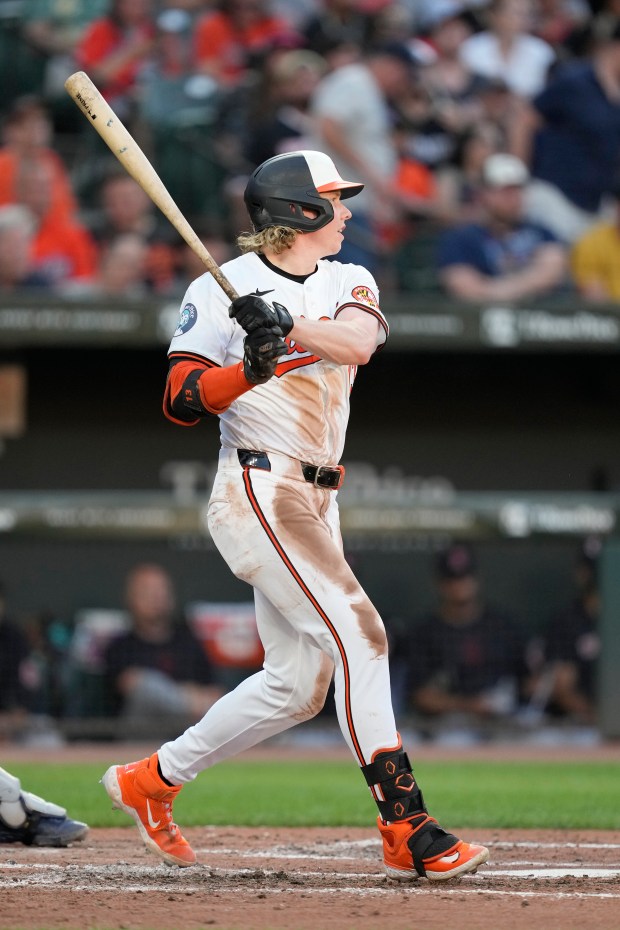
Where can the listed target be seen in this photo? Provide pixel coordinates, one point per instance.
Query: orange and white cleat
(419, 847)
(138, 790)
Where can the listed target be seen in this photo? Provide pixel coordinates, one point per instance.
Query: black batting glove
(263, 347)
(251, 311)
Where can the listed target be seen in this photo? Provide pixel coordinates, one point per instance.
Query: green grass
(577, 795)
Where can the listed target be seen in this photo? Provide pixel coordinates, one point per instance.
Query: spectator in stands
(121, 272)
(339, 31)
(499, 106)
(570, 134)
(190, 266)
(465, 663)
(126, 210)
(507, 50)
(231, 38)
(158, 673)
(460, 183)
(573, 642)
(279, 119)
(392, 21)
(24, 693)
(115, 48)
(28, 138)
(595, 259)
(452, 85)
(62, 249)
(353, 125)
(17, 225)
(556, 20)
(173, 57)
(54, 28)
(503, 257)
(443, 100)
(600, 22)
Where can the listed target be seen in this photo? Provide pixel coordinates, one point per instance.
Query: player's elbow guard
(193, 393)
(182, 400)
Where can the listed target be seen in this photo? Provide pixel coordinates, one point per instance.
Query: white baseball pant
(281, 534)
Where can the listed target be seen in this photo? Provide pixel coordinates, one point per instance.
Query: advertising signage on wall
(158, 516)
(420, 324)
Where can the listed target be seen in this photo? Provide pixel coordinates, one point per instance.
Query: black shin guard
(391, 771)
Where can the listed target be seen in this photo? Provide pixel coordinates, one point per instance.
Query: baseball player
(277, 367)
(27, 818)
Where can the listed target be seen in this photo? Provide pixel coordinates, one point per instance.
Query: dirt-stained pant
(281, 534)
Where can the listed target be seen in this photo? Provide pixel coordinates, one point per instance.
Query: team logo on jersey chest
(189, 315)
(364, 295)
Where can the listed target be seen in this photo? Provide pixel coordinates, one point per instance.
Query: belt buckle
(321, 469)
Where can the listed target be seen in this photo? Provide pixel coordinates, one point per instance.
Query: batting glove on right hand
(251, 311)
(262, 349)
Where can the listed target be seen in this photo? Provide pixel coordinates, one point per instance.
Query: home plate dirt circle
(309, 879)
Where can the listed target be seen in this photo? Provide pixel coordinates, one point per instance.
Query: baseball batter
(277, 367)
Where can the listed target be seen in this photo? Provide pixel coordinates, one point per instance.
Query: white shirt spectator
(351, 96)
(524, 69)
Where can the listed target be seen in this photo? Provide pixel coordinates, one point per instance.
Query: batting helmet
(282, 187)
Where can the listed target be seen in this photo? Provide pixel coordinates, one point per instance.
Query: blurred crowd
(467, 671)
(487, 134)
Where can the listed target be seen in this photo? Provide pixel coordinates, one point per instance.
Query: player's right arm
(350, 340)
(351, 337)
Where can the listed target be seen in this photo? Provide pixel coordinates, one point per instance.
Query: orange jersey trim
(172, 356)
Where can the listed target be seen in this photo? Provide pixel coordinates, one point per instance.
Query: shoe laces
(171, 826)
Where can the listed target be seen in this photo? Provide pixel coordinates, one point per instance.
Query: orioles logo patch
(364, 295)
(189, 315)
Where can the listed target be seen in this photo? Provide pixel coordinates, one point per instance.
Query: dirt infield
(306, 879)
(300, 879)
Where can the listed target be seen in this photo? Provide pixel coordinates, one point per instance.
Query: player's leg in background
(27, 818)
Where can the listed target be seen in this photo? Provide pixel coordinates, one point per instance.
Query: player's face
(328, 240)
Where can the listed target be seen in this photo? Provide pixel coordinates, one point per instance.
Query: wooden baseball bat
(118, 138)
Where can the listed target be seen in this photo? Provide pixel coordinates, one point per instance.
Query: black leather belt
(321, 476)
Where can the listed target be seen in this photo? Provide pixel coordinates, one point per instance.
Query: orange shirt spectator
(27, 136)
(62, 249)
(126, 209)
(226, 40)
(116, 47)
(63, 200)
(418, 191)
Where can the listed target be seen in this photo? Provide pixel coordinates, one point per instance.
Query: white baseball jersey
(308, 394)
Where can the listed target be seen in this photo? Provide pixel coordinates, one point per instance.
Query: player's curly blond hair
(273, 239)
